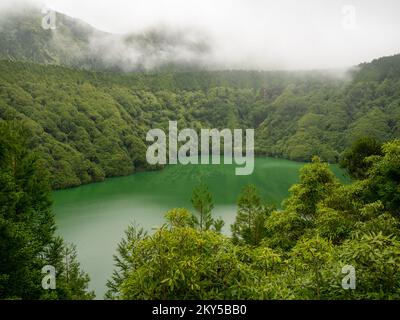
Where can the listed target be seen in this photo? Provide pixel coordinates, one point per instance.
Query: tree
(354, 159)
(26, 222)
(376, 259)
(316, 182)
(301, 208)
(203, 203)
(133, 236)
(249, 226)
(27, 241)
(310, 259)
(299, 253)
(71, 281)
(180, 262)
(284, 229)
(383, 179)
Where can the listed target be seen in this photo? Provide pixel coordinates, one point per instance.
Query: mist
(233, 34)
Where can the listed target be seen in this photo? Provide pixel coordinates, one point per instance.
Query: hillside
(76, 44)
(23, 38)
(92, 125)
(89, 119)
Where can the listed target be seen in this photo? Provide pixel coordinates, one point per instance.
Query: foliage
(27, 240)
(252, 213)
(383, 179)
(376, 259)
(91, 125)
(203, 203)
(184, 263)
(133, 235)
(323, 227)
(354, 160)
(85, 126)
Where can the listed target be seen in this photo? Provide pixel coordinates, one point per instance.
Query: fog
(248, 34)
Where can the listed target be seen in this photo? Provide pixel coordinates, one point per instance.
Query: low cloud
(237, 34)
(152, 48)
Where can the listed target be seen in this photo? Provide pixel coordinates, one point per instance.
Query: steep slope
(23, 38)
(77, 44)
(386, 68)
(92, 125)
(329, 119)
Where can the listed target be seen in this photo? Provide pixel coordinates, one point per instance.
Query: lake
(95, 216)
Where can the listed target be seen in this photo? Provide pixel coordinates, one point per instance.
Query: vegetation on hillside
(92, 125)
(71, 42)
(27, 239)
(63, 127)
(294, 253)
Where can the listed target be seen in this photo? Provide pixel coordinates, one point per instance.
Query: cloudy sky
(260, 34)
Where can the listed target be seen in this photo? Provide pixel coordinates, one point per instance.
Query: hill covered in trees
(71, 42)
(304, 251)
(28, 241)
(75, 106)
(90, 125)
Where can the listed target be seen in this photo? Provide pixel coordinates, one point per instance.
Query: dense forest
(73, 112)
(90, 125)
(295, 253)
(27, 228)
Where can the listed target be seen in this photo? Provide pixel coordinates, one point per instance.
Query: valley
(95, 216)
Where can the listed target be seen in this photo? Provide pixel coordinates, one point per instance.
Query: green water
(95, 216)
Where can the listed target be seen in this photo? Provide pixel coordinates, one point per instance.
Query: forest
(90, 125)
(27, 228)
(63, 127)
(297, 252)
(77, 101)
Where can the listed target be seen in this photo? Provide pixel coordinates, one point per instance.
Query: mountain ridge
(89, 125)
(89, 121)
(77, 44)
